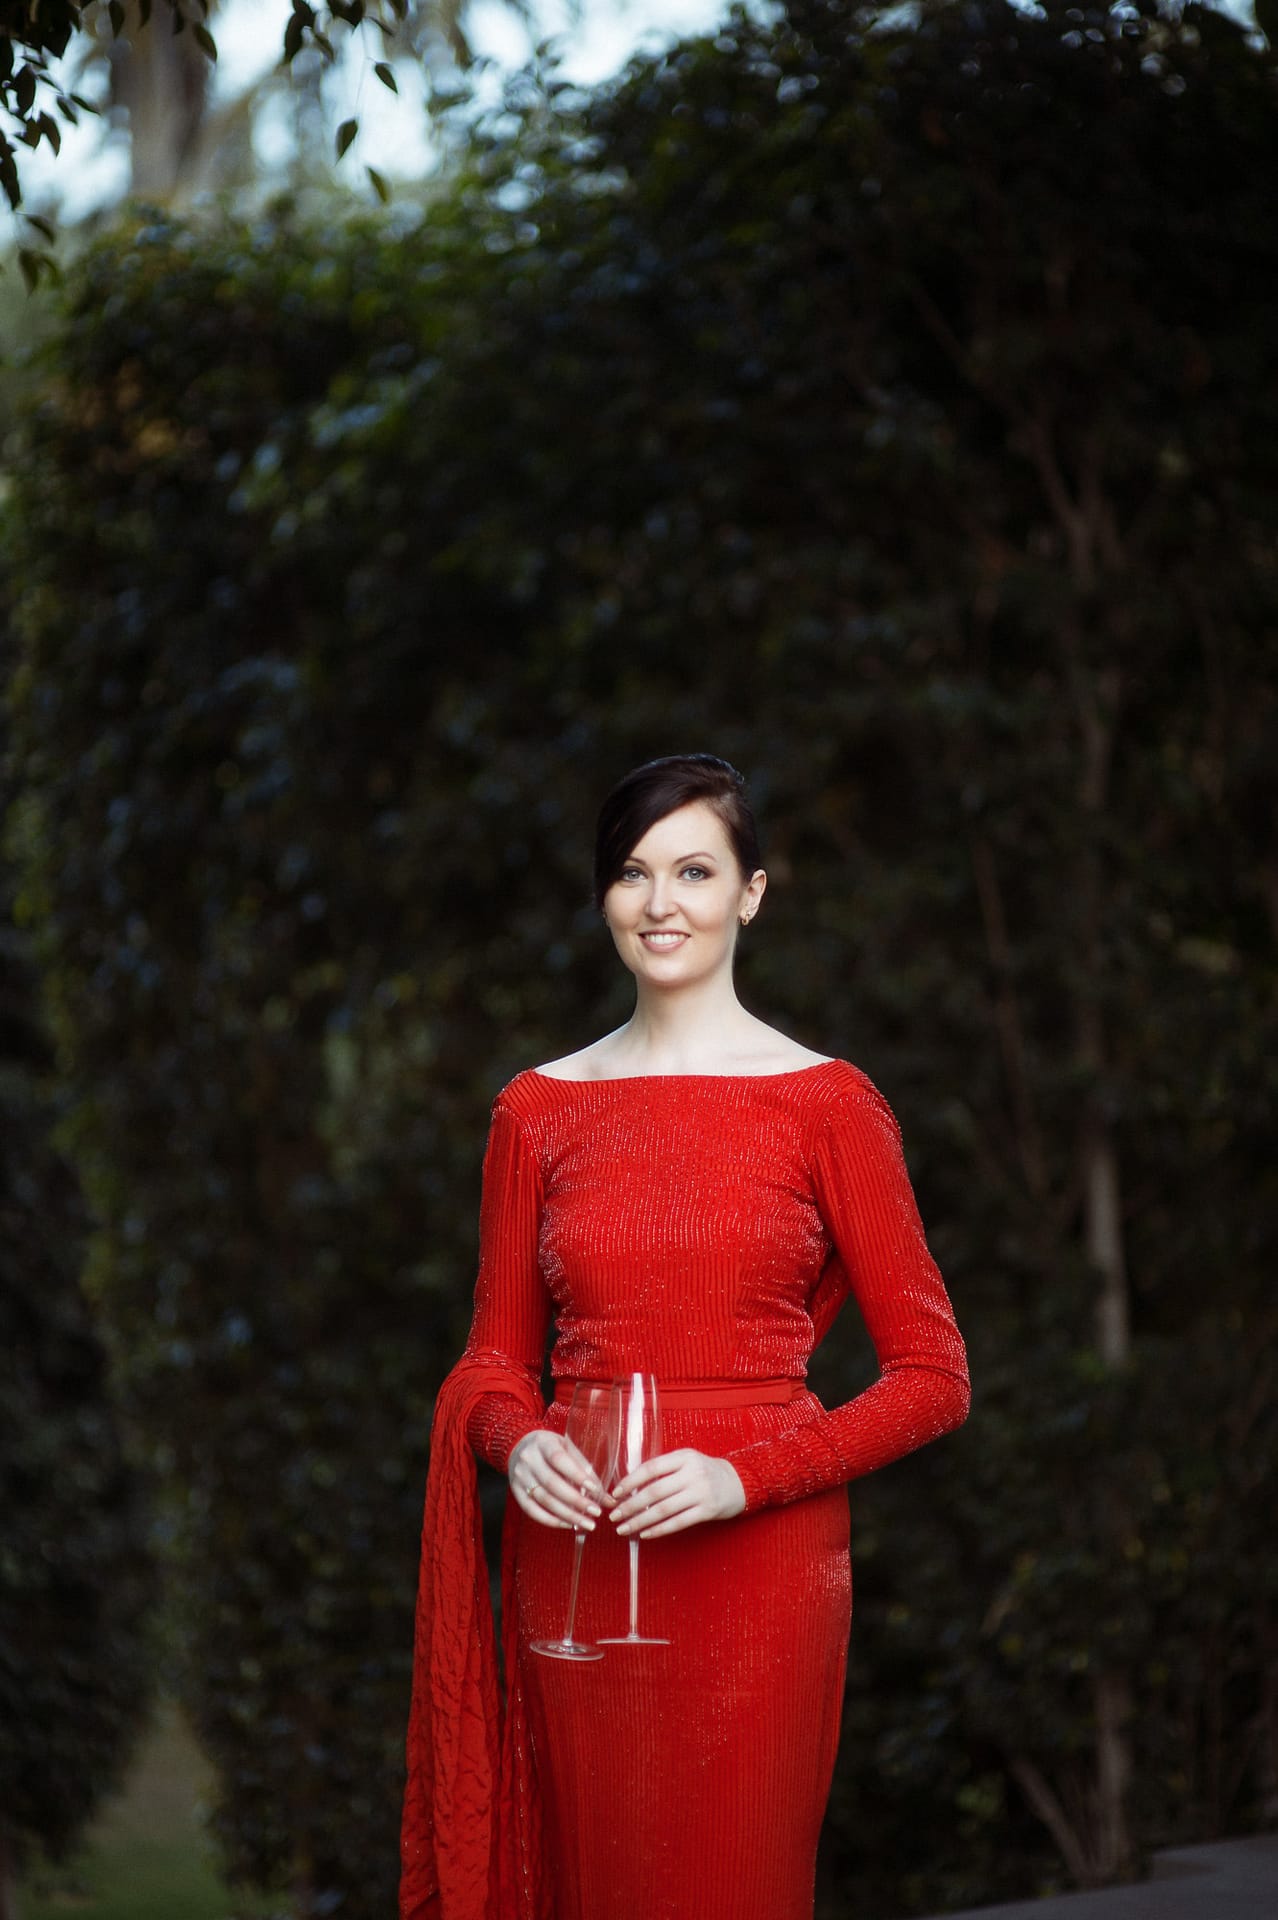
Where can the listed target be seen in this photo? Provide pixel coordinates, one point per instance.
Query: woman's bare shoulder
(766, 1049)
(586, 1064)
(783, 1055)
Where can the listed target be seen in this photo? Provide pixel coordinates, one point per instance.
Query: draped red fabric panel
(466, 1801)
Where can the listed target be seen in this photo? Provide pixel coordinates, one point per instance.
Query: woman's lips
(663, 942)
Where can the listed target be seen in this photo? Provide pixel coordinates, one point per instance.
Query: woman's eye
(697, 873)
(630, 873)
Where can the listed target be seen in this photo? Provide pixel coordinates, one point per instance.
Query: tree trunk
(1008, 1023)
(1102, 1213)
(161, 79)
(1112, 1703)
(1095, 697)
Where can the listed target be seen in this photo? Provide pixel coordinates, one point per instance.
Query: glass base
(566, 1649)
(632, 1640)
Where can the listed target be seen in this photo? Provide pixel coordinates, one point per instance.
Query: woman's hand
(553, 1483)
(674, 1491)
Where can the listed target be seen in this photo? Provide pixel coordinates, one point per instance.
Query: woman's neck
(699, 1026)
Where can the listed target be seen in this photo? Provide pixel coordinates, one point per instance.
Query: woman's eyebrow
(682, 859)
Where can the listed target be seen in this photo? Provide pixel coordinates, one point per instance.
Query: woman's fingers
(667, 1516)
(577, 1472)
(675, 1491)
(647, 1483)
(552, 1483)
(677, 1523)
(682, 1503)
(576, 1493)
(641, 1479)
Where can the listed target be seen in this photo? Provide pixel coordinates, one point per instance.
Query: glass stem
(580, 1541)
(634, 1588)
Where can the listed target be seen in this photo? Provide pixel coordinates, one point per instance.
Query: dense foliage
(42, 42)
(76, 1566)
(892, 409)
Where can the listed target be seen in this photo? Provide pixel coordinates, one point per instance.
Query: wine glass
(640, 1411)
(594, 1431)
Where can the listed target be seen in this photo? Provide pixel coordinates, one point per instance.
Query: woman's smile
(681, 885)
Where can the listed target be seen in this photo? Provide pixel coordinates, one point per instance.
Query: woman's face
(675, 910)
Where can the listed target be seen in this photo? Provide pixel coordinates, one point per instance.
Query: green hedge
(77, 1562)
(892, 411)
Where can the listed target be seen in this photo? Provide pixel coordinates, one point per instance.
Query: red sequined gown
(704, 1229)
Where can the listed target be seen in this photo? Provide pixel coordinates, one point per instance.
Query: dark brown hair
(648, 793)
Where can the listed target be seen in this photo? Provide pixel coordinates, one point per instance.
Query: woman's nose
(659, 901)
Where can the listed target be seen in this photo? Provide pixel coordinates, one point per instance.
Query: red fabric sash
(470, 1838)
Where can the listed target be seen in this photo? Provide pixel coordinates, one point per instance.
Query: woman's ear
(755, 888)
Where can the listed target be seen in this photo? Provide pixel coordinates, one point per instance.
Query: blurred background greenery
(887, 401)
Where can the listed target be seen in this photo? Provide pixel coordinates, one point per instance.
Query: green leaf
(115, 12)
(204, 41)
(380, 186)
(40, 224)
(31, 264)
(386, 75)
(345, 134)
(9, 174)
(24, 89)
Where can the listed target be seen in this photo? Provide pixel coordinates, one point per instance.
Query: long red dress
(705, 1228)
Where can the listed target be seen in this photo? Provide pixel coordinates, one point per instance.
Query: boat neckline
(620, 1079)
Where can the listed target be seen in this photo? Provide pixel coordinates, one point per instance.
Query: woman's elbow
(959, 1400)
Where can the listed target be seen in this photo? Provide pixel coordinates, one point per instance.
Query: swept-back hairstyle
(648, 793)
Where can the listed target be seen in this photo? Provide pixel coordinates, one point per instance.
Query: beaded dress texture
(705, 1229)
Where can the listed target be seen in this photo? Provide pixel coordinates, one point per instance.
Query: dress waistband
(707, 1393)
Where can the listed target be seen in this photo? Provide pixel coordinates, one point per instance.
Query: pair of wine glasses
(614, 1428)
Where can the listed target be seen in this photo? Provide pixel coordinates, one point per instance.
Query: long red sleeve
(864, 1195)
(512, 1306)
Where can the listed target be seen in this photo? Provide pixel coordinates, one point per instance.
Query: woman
(692, 1196)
